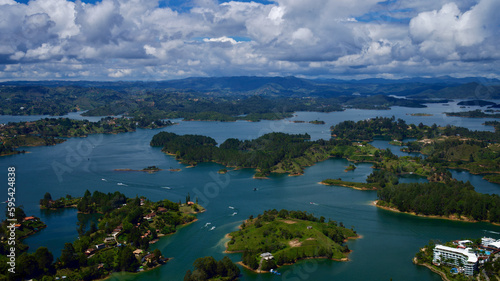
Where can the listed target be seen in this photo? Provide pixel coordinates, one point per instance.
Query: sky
(149, 40)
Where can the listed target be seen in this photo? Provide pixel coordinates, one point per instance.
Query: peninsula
(51, 131)
(121, 239)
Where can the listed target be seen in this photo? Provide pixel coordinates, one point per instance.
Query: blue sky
(169, 39)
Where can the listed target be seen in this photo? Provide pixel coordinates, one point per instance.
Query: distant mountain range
(438, 87)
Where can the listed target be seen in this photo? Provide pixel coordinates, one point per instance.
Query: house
(90, 251)
(267, 256)
(309, 227)
(455, 256)
(109, 240)
(137, 252)
(148, 258)
(100, 246)
(162, 210)
(150, 216)
(17, 226)
(190, 203)
(30, 218)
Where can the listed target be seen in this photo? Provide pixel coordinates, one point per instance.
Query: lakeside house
(465, 258)
(267, 256)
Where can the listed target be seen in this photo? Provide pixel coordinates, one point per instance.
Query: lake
(390, 240)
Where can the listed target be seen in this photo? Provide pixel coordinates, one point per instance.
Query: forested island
(477, 103)
(282, 237)
(120, 240)
(51, 131)
(478, 113)
(270, 153)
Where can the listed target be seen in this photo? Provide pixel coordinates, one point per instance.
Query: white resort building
(457, 257)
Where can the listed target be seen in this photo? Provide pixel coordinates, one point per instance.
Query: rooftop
(471, 257)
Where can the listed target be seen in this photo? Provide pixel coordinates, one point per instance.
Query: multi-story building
(457, 257)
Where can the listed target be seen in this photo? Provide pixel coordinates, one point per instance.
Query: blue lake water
(389, 241)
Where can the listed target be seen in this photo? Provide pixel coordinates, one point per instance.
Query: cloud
(142, 40)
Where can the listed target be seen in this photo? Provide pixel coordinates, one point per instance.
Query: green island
(473, 114)
(51, 131)
(148, 169)
(222, 171)
(207, 268)
(270, 153)
(317, 122)
(119, 241)
(351, 167)
(277, 238)
(461, 260)
(420, 114)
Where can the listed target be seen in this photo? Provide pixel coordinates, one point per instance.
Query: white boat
(121, 184)
(231, 207)
(213, 227)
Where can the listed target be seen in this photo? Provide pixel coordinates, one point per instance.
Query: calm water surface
(389, 241)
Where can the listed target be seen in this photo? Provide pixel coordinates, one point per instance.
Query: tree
(68, 258)
(44, 258)
(127, 260)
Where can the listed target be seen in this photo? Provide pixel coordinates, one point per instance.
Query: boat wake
(121, 184)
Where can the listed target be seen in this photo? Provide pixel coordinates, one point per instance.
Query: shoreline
(375, 203)
(350, 186)
(440, 273)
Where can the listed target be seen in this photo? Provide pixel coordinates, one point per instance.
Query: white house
(455, 256)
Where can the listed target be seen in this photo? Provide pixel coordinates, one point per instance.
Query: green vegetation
(473, 114)
(222, 171)
(446, 147)
(453, 199)
(118, 242)
(421, 114)
(289, 236)
(270, 153)
(388, 128)
(274, 152)
(49, 131)
(317, 122)
(351, 167)
(24, 226)
(355, 185)
(476, 103)
(207, 268)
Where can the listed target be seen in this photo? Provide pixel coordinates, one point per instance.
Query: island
(473, 114)
(420, 114)
(149, 169)
(466, 259)
(222, 171)
(276, 238)
(477, 103)
(351, 167)
(119, 241)
(317, 122)
(270, 153)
